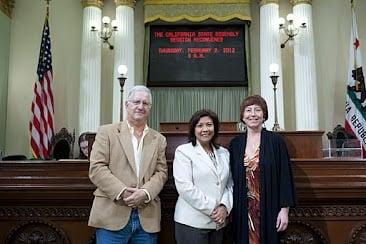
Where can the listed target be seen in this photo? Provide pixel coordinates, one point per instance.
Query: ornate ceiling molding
(6, 6)
(295, 2)
(264, 2)
(182, 2)
(95, 3)
(129, 3)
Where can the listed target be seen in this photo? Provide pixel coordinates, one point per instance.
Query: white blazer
(201, 186)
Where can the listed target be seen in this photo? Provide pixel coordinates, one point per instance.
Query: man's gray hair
(139, 88)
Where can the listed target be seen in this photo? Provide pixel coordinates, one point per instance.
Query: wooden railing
(52, 199)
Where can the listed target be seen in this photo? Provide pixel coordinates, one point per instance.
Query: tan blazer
(112, 168)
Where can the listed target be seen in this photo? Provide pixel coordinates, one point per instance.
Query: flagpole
(47, 8)
(353, 13)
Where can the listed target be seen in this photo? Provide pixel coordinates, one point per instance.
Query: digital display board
(197, 55)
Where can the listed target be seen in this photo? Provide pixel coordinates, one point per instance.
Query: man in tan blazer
(128, 167)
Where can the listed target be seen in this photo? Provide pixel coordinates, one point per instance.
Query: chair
(340, 134)
(346, 144)
(63, 144)
(15, 157)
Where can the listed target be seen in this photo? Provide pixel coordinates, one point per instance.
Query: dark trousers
(185, 234)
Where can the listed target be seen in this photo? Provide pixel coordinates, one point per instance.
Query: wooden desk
(40, 199)
(52, 199)
(45, 200)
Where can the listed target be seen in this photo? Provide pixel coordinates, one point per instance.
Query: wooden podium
(301, 144)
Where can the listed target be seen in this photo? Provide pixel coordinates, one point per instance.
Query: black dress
(276, 186)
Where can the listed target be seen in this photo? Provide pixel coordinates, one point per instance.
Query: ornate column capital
(185, 2)
(6, 6)
(129, 3)
(264, 2)
(295, 2)
(95, 3)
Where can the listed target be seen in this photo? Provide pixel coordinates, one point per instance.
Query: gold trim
(6, 6)
(129, 3)
(295, 2)
(196, 18)
(264, 2)
(186, 2)
(95, 3)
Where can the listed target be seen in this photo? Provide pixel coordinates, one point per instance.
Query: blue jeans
(132, 233)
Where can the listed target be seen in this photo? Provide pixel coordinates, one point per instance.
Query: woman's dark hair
(194, 121)
(82, 138)
(254, 100)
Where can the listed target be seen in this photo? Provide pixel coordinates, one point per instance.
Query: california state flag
(355, 109)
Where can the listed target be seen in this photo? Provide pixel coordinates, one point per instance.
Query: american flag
(41, 124)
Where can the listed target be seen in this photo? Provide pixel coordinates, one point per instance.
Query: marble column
(306, 98)
(270, 53)
(90, 68)
(124, 44)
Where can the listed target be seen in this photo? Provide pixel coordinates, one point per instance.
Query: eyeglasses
(138, 102)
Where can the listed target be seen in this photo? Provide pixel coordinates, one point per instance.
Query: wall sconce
(273, 69)
(107, 30)
(292, 29)
(122, 71)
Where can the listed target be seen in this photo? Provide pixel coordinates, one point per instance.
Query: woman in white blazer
(202, 177)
